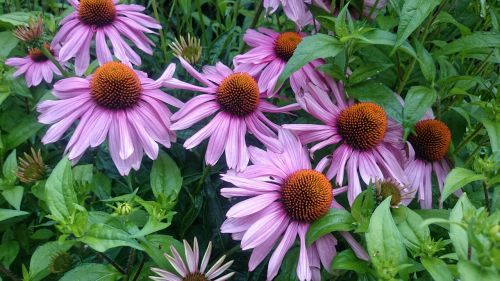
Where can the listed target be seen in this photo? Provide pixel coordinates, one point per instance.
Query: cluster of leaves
(85, 222)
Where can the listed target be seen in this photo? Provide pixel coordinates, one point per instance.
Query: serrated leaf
(413, 13)
(60, 195)
(166, 179)
(310, 48)
(334, 220)
(427, 65)
(383, 239)
(92, 272)
(102, 237)
(417, 102)
(456, 179)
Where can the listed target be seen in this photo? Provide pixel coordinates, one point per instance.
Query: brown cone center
(238, 94)
(286, 43)
(96, 12)
(431, 140)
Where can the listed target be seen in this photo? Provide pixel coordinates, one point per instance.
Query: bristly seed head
(97, 12)
(31, 167)
(189, 49)
(195, 276)
(31, 33)
(306, 195)
(238, 94)
(363, 125)
(115, 86)
(431, 140)
(286, 43)
(386, 188)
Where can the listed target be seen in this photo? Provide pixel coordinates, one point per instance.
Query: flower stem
(206, 171)
(486, 197)
(163, 42)
(468, 139)
(49, 55)
(256, 17)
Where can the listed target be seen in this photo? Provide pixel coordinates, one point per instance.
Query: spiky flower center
(31, 167)
(115, 86)
(37, 54)
(306, 195)
(389, 188)
(60, 262)
(238, 94)
(431, 140)
(286, 43)
(97, 12)
(363, 125)
(195, 276)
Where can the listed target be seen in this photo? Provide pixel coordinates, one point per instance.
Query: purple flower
(284, 195)
(117, 103)
(238, 105)
(106, 20)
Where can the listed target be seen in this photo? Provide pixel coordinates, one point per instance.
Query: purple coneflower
(285, 195)
(104, 19)
(269, 54)
(369, 143)
(116, 102)
(428, 148)
(35, 66)
(191, 270)
(295, 10)
(238, 104)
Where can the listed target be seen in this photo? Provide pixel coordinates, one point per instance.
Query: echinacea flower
(369, 143)
(401, 194)
(35, 66)
(31, 33)
(31, 167)
(428, 148)
(189, 49)
(106, 20)
(115, 102)
(192, 270)
(238, 105)
(284, 196)
(269, 54)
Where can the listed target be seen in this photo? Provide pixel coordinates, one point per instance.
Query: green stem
(163, 42)
(486, 197)
(199, 185)
(49, 55)
(372, 8)
(467, 139)
(113, 263)
(202, 24)
(256, 17)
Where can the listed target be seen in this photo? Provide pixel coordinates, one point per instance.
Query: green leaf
(417, 101)
(362, 209)
(347, 260)
(458, 234)
(92, 272)
(17, 18)
(437, 268)
(288, 270)
(413, 13)
(166, 179)
(457, 178)
(8, 43)
(8, 252)
(380, 94)
(41, 258)
(472, 272)
(411, 228)
(471, 42)
(334, 220)
(6, 214)
(59, 191)
(493, 129)
(427, 65)
(311, 48)
(9, 168)
(25, 129)
(386, 38)
(384, 241)
(14, 196)
(102, 237)
(365, 72)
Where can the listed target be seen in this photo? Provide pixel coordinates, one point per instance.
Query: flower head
(117, 103)
(267, 59)
(369, 143)
(428, 147)
(193, 271)
(189, 49)
(283, 196)
(104, 19)
(31, 167)
(35, 66)
(296, 10)
(31, 33)
(238, 105)
(400, 193)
